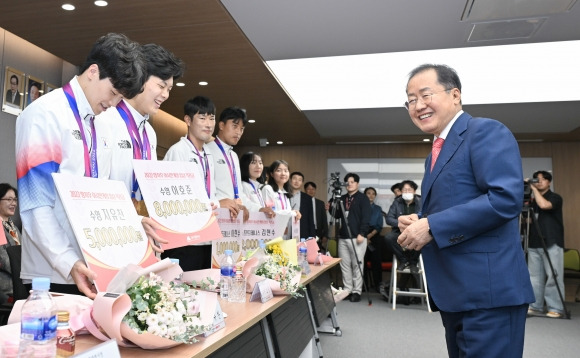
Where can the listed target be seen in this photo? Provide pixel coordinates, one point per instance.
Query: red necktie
(436, 150)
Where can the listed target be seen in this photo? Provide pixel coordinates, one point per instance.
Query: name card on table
(104, 221)
(176, 199)
(262, 291)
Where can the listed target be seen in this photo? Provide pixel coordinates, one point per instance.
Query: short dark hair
(545, 174)
(234, 113)
(271, 169)
(352, 175)
(411, 183)
(446, 76)
(296, 173)
(16, 78)
(310, 183)
(120, 60)
(199, 104)
(395, 187)
(35, 84)
(245, 160)
(370, 188)
(5, 187)
(162, 63)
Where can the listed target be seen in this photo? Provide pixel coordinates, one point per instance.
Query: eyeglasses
(11, 200)
(426, 98)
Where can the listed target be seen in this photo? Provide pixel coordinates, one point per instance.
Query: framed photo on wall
(48, 87)
(13, 94)
(34, 89)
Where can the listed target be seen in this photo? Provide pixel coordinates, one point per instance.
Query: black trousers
(410, 256)
(191, 257)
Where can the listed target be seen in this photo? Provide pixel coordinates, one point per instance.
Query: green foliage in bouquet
(164, 309)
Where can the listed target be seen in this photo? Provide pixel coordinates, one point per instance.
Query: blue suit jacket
(473, 198)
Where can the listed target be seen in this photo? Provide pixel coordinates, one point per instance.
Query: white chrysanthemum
(152, 320)
(163, 330)
(142, 316)
(154, 330)
(164, 317)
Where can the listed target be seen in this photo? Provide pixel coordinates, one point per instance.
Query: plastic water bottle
(180, 276)
(227, 271)
(238, 289)
(38, 322)
(303, 257)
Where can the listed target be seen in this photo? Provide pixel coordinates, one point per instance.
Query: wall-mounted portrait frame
(13, 94)
(34, 89)
(48, 87)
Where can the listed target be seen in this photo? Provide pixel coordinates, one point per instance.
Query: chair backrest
(572, 259)
(15, 255)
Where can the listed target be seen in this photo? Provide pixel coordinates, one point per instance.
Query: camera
(528, 191)
(335, 184)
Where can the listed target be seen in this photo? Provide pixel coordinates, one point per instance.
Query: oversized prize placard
(240, 236)
(176, 199)
(105, 224)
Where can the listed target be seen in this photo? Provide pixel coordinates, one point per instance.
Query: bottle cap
(63, 316)
(228, 252)
(40, 283)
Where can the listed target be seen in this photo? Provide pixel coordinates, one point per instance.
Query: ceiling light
(313, 84)
(101, 3)
(251, 121)
(203, 83)
(279, 142)
(68, 7)
(180, 84)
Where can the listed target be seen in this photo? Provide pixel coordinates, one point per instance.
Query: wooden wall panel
(311, 161)
(566, 175)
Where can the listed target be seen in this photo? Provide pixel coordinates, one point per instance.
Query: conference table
(281, 327)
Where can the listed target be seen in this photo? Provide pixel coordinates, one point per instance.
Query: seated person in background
(396, 189)
(8, 203)
(375, 243)
(407, 203)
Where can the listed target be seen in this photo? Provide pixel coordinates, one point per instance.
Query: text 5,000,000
(110, 236)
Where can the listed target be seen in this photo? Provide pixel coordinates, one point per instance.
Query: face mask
(408, 196)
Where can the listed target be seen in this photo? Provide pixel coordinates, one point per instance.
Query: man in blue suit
(468, 228)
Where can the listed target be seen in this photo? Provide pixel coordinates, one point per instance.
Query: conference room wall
(312, 162)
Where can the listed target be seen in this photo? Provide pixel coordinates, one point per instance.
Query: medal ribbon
(231, 167)
(91, 165)
(258, 194)
(205, 167)
(141, 149)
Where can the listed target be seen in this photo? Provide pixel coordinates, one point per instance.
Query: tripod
(531, 217)
(335, 206)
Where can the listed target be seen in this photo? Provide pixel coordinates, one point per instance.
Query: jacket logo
(221, 161)
(124, 144)
(77, 134)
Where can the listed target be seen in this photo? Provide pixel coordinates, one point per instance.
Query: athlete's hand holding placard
(176, 199)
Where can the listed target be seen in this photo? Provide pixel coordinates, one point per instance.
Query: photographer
(357, 212)
(547, 207)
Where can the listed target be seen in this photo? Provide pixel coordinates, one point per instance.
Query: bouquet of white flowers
(276, 266)
(164, 309)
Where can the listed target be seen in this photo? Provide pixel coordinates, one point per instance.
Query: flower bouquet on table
(277, 265)
(153, 312)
